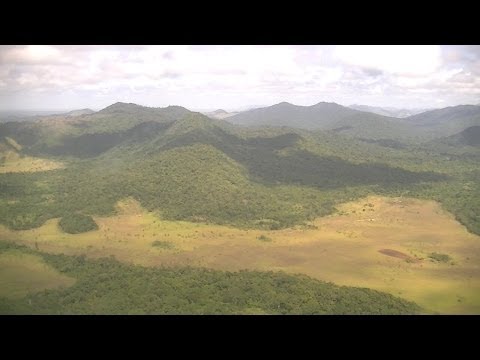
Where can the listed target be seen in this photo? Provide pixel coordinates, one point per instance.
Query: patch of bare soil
(398, 254)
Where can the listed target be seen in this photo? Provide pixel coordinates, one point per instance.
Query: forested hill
(447, 121)
(188, 166)
(389, 111)
(79, 112)
(362, 124)
(145, 113)
(469, 136)
(325, 116)
(100, 130)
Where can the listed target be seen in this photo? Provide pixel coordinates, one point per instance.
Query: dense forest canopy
(187, 166)
(106, 286)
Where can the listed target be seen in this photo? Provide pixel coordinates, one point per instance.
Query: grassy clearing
(13, 143)
(21, 274)
(15, 163)
(342, 248)
(107, 286)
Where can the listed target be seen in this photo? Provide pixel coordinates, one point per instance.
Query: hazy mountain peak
(463, 110)
(176, 107)
(120, 106)
(219, 114)
(323, 116)
(389, 111)
(284, 103)
(119, 103)
(327, 104)
(80, 112)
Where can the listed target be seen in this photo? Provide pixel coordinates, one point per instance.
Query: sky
(234, 77)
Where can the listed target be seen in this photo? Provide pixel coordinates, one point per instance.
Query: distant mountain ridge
(447, 121)
(444, 115)
(389, 111)
(79, 112)
(219, 114)
(325, 116)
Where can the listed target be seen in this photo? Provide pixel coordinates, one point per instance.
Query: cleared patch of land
(21, 274)
(13, 162)
(13, 143)
(343, 248)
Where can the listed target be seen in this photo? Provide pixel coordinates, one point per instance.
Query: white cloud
(397, 59)
(235, 76)
(32, 54)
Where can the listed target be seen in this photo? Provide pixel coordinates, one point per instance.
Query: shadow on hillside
(261, 158)
(91, 145)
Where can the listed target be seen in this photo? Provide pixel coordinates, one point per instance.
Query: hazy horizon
(42, 77)
(242, 108)
(238, 109)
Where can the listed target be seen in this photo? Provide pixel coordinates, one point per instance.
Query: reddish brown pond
(397, 254)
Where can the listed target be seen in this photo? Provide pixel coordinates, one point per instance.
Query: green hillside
(468, 137)
(196, 168)
(363, 124)
(64, 135)
(326, 116)
(445, 122)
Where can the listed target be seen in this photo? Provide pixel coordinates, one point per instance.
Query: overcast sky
(231, 77)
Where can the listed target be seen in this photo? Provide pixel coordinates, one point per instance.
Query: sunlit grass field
(21, 274)
(343, 248)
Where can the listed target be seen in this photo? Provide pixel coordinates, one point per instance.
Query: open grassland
(12, 162)
(377, 242)
(21, 274)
